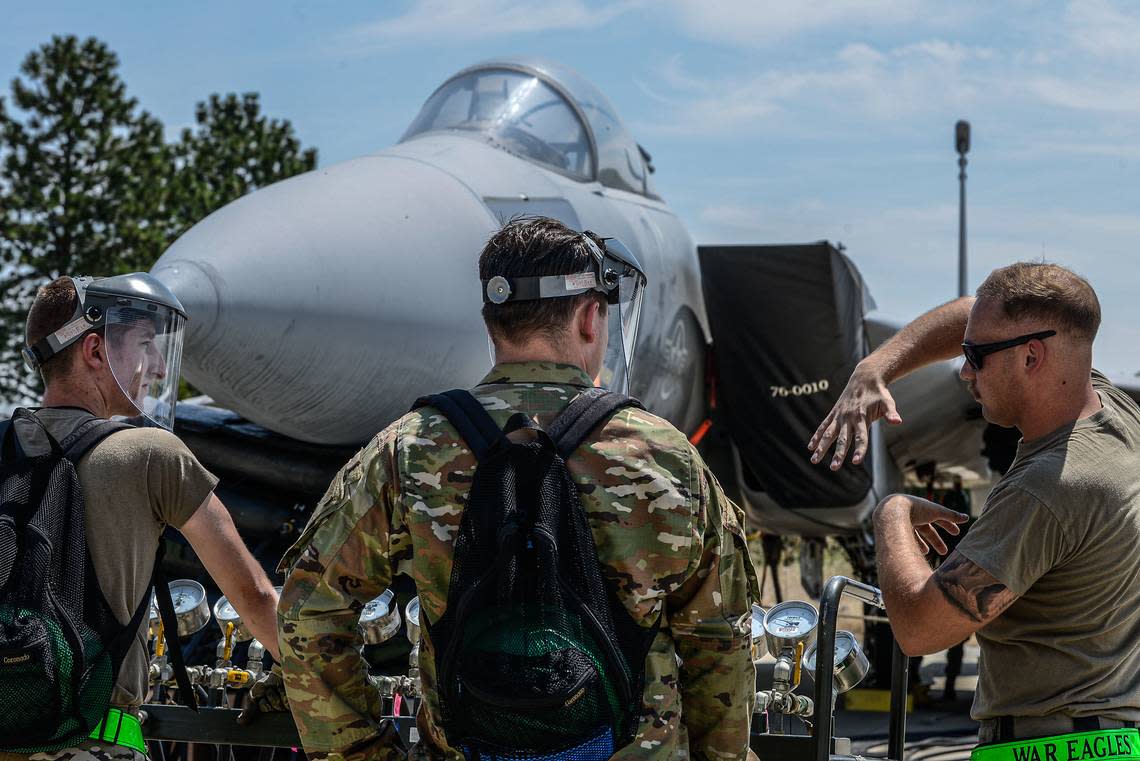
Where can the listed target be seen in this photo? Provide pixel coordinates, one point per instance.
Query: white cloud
(1125, 148)
(858, 82)
(438, 20)
(1083, 95)
(752, 22)
(944, 52)
(1102, 29)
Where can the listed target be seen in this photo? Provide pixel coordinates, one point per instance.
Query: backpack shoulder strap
(88, 434)
(11, 445)
(583, 415)
(169, 619)
(469, 417)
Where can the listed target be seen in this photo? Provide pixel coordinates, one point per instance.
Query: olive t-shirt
(1062, 530)
(135, 482)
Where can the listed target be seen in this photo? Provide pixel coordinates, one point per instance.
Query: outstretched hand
(864, 400)
(925, 518)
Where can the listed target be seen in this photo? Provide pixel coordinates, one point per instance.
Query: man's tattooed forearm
(972, 590)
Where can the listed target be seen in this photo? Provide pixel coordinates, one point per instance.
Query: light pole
(962, 145)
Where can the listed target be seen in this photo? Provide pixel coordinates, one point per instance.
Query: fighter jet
(322, 306)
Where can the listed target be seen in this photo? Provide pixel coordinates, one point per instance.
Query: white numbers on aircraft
(804, 389)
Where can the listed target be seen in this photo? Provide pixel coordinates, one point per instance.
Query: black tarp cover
(787, 321)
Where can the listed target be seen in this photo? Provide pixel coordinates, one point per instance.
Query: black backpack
(60, 644)
(535, 656)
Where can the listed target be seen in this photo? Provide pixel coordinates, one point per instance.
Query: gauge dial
(412, 612)
(380, 619)
(190, 606)
(378, 607)
(793, 621)
(758, 614)
(226, 613)
(844, 644)
(187, 595)
(759, 647)
(851, 663)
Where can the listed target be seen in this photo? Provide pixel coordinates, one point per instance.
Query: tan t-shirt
(134, 483)
(1062, 530)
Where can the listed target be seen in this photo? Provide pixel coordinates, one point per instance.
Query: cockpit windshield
(518, 111)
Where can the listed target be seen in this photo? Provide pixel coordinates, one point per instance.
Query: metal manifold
(222, 688)
(802, 638)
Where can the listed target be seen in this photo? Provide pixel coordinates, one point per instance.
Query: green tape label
(1102, 745)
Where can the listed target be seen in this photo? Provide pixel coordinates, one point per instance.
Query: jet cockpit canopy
(542, 112)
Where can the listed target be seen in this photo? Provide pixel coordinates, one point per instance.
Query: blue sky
(767, 122)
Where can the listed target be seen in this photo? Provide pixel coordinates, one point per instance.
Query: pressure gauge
(190, 606)
(412, 613)
(380, 619)
(225, 613)
(788, 624)
(851, 663)
(759, 648)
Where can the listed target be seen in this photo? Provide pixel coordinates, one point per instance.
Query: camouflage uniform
(668, 539)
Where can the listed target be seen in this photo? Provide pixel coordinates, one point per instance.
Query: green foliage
(88, 184)
(232, 151)
(83, 182)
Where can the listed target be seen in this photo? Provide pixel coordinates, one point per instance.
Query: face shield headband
(616, 274)
(85, 318)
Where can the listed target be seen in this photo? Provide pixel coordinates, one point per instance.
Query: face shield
(620, 268)
(616, 274)
(142, 324)
(144, 350)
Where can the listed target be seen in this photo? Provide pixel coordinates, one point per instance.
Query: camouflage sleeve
(710, 619)
(339, 563)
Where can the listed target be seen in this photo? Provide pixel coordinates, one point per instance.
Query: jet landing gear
(790, 634)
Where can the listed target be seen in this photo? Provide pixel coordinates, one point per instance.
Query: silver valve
(254, 658)
(160, 670)
(412, 615)
(784, 703)
(222, 654)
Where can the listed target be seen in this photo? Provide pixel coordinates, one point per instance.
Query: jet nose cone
(322, 306)
(193, 283)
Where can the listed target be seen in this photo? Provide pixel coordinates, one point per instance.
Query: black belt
(1007, 726)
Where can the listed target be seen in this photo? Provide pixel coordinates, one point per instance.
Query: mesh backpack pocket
(534, 674)
(33, 651)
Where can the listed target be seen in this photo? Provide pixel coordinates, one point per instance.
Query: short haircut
(1047, 292)
(53, 307)
(535, 247)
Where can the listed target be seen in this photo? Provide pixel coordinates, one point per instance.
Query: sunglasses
(975, 353)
